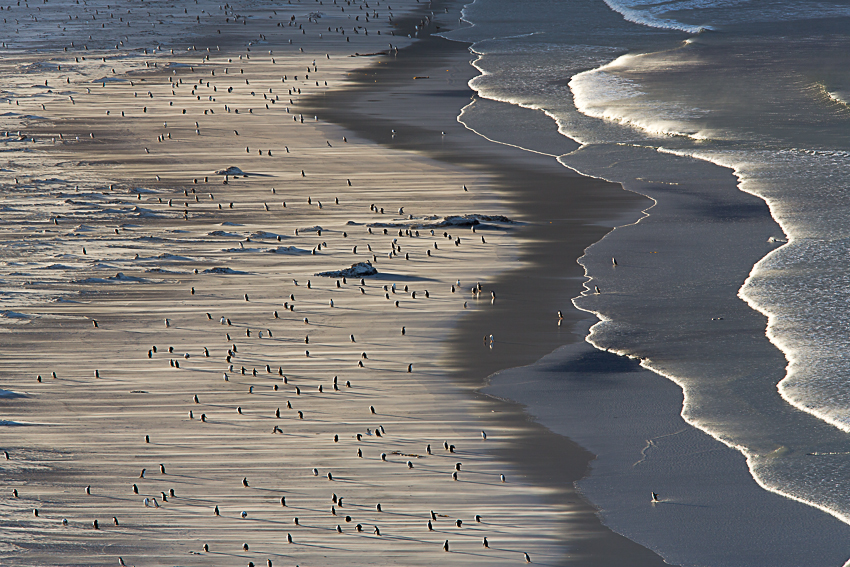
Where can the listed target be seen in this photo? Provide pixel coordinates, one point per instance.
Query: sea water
(664, 98)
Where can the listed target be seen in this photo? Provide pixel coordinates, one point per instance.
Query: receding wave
(651, 18)
(697, 16)
(604, 94)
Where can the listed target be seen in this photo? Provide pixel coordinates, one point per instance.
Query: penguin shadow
(343, 480)
(390, 277)
(392, 514)
(503, 550)
(312, 545)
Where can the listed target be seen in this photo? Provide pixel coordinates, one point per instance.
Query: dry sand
(122, 250)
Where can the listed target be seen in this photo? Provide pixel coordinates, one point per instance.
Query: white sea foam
(696, 16)
(840, 96)
(608, 95)
(652, 15)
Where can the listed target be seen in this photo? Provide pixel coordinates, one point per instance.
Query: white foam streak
(648, 19)
(602, 93)
(841, 97)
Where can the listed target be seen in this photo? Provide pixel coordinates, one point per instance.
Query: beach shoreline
(562, 214)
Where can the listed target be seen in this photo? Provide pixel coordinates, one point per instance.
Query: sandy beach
(181, 385)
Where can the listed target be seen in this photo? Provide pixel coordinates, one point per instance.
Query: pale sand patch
(86, 429)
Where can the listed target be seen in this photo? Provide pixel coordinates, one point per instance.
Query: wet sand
(562, 212)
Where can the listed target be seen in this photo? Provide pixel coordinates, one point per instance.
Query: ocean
(732, 117)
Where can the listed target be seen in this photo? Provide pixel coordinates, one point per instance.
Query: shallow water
(758, 89)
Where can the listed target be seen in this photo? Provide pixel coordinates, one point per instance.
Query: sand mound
(470, 220)
(287, 250)
(232, 170)
(220, 270)
(358, 270)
